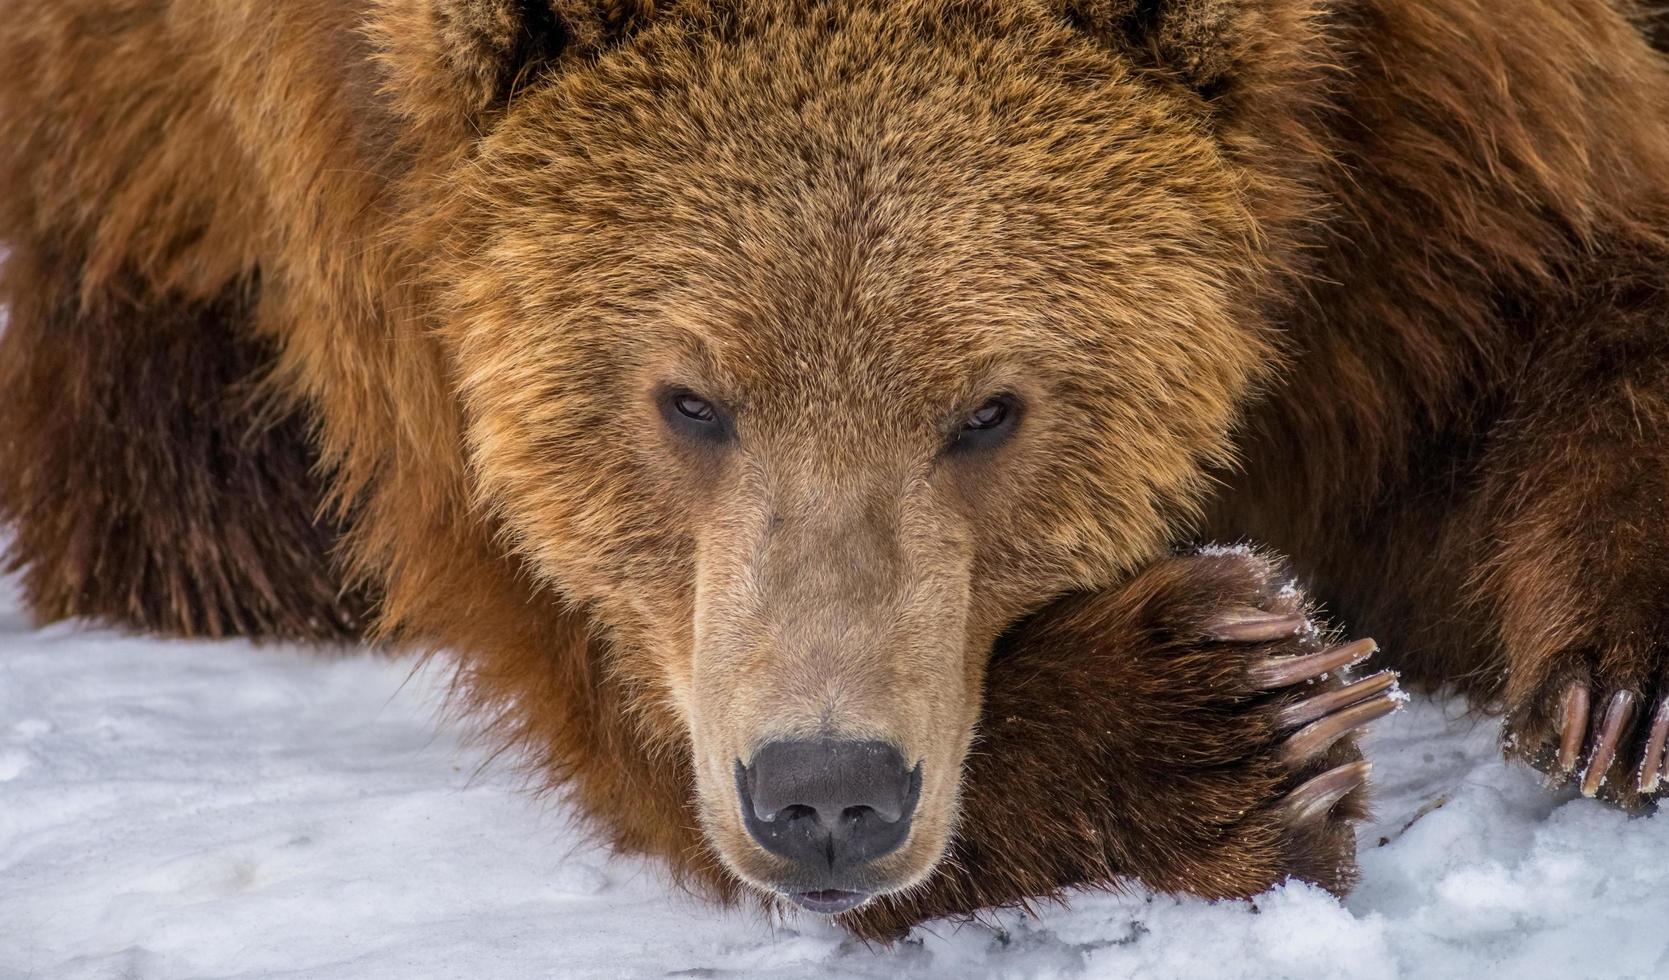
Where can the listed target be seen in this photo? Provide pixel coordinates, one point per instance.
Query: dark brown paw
(1609, 742)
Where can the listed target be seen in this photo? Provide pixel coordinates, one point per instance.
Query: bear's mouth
(829, 901)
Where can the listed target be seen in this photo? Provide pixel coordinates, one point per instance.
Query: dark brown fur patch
(148, 483)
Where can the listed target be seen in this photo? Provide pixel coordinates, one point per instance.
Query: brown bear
(798, 418)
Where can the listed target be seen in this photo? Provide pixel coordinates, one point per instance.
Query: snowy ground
(211, 810)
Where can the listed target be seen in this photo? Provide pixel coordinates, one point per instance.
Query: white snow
(215, 810)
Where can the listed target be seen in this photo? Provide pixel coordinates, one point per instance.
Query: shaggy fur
(323, 300)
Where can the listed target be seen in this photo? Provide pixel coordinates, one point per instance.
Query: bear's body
(1380, 285)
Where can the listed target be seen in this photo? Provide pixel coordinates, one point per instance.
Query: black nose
(828, 805)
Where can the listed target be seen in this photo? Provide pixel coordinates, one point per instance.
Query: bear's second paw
(1608, 739)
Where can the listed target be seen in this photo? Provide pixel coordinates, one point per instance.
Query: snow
(217, 810)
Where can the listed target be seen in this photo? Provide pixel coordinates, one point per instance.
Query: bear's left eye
(692, 416)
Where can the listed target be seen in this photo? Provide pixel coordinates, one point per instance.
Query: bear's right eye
(694, 417)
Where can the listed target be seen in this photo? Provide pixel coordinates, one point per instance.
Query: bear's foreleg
(143, 482)
(1573, 509)
(1191, 730)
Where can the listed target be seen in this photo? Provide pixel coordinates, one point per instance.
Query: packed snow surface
(216, 810)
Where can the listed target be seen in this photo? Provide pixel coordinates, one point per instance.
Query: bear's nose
(828, 805)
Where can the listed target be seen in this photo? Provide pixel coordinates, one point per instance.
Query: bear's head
(808, 346)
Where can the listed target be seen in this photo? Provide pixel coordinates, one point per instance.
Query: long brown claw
(1319, 795)
(1618, 714)
(1651, 763)
(1573, 722)
(1287, 671)
(1255, 626)
(1308, 710)
(1317, 736)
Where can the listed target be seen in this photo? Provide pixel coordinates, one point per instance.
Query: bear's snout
(831, 807)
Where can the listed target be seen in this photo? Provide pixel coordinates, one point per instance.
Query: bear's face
(810, 352)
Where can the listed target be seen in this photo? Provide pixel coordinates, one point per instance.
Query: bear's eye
(988, 416)
(692, 416)
(988, 425)
(695, 408)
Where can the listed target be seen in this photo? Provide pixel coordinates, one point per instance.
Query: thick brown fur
(320, 300)
(199, 514)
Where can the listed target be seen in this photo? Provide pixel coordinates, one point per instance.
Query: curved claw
(1618, 714)
(1317, 736)
(1308, 710)
(1573, 724)
(1256, 626)
(1651, 764)
(1286, 671)
(1318, 796)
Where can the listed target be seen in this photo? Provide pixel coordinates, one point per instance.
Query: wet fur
(227, 410)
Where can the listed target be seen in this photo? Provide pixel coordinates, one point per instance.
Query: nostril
(828, 804)
(890, 812)
(795, 811)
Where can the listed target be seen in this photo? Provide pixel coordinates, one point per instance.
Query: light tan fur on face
(835, 608)
(848, 282)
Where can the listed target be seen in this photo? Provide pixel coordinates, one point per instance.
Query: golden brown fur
(1377, 284)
